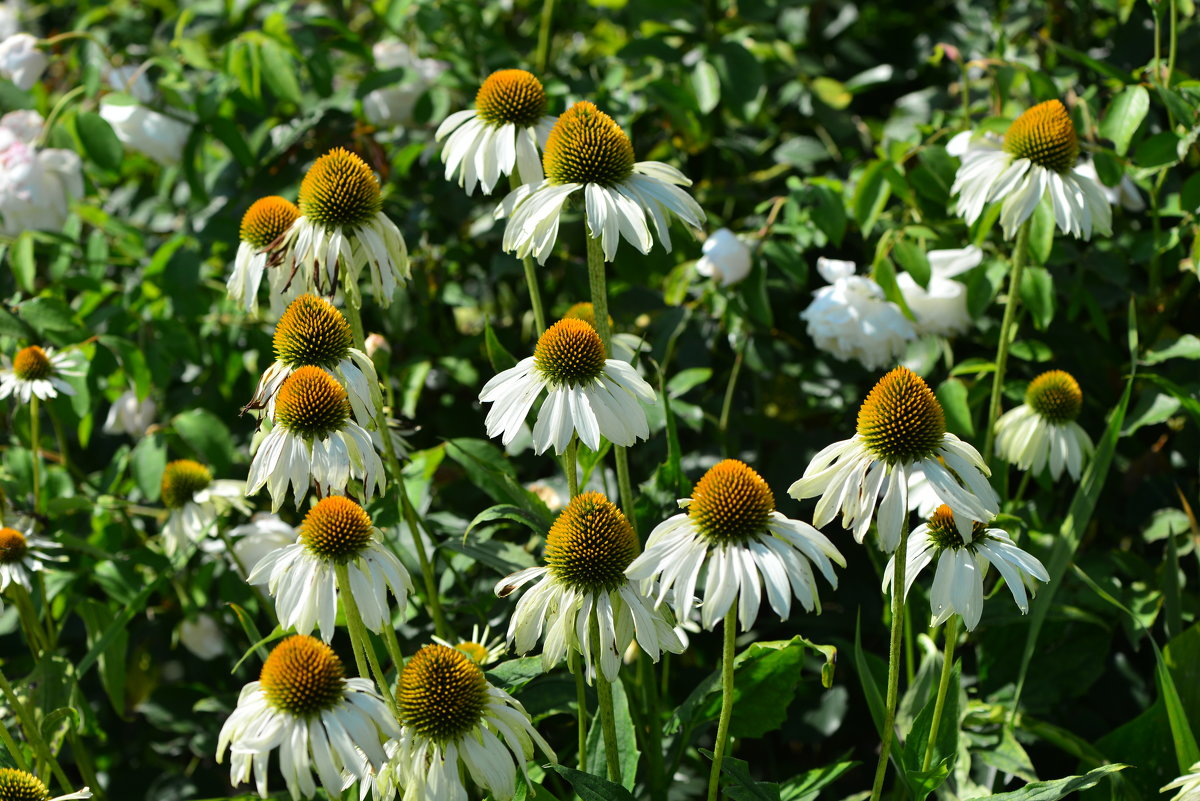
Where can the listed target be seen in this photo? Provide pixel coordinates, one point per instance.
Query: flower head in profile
(502, 135)
(852, 319)
(962, 564)
(455, 723)
(1042, 431)
(941, 305)
(481, 648)
(37, 372)
(342, 229)
(587, 394)
(320, 721)
(302, 576)
(313, 439)
(23, 553)
(313, 333)
(901, 426)
(1188, 785)
(588, 152)
(263, 226)
(20, 785)
(582, 600)
(732, 534)
(129, 416)
(1036, 158)
(194, 502)
(726, 258)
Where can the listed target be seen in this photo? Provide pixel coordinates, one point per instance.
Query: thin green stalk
(358, 631)
(1006, 333)
(727, 404)
(608, 715)
(652, 720)
(543, 45)
(950, 640)
(580, 705)
(36, 451)
(393, 647)
(11, 745)
(727, 654)
(354, 315)
(571, 466)
(432, 598)
(356, 643)
(894, 656)
(1171, 42)
(531, 281)
(625, 486)
(39, 642)
(32, 733)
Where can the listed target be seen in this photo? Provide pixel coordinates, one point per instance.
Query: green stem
(625, 486)
(543, 45)
(39, 642)
(599, 288)
(727, 404)
(354, 315)
(950, 635)
(11, 745)
(32, 733)
(431, 590)
(535, 295)
(652, 718)
(727, 655)
(1006, 333)
(36, 450)
(581, 706)
(608, 717)
(393, 647)
(358, 632)
(893, 688)
(1171, 43)
(571, 466)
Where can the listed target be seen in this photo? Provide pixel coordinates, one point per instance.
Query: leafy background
(832, 115)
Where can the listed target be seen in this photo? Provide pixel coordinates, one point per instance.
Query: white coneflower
(38, 372)
(588, 394)
(302, 576)
(961, 566)
(501, 135)
(313, 439)
(341, 222)
(852, 319)
(321, 722)
(731, 532)
(263, 225)
(1042, 431)
(588, 152)
(194, 501)
(584, 585)
(312, 332)
(22, 554)
(455, 723)
(1036, 158)
(128, 415)
(1188, 785)
(1125, 194)
(900, 426)
(481, 648)
(20, 785)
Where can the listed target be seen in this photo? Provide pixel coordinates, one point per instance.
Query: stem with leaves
(360, 636)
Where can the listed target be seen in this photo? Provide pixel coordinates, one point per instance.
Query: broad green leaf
(831, 92)
(48, 314)
(148, 460)
(627, 747)
(871, 195)
(913, 259)
(208, 436)
(706, 83)
(514, 514)
(953, 396)
(497, 354)
(279, 71)
(1125, 114)
(1037, 294)
(1057, 788)
(738, 783)
(99, 141)
(807, 785)
(1041, 232)
(1184, 347)
(591, 787)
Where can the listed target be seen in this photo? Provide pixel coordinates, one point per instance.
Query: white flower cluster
(37, 184)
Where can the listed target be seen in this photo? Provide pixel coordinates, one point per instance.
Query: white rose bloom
(726, 258)
(941, 307)
(130, 416)
(1125, 194)
(202, 637)
(852, 320)
(21, 61)
(393, 105)
(37, 185)
(158, 136)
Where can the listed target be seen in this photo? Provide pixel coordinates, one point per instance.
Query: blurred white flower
(202, 637)
(131, 78)
(21, 61)
(726, 258)
(263, 534)
(1125, 194)
(852, 320)
(548, 495)
(8, 19)
(941, 307)
(130, 416)
(393, 105)
(37, 185)
(156, 135)
(376, 342)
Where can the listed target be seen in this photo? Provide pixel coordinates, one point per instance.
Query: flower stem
(1006, 333)
(535, 296)
(571, 466)
(608, 717)
(625, 486)
(35, 451)
(358, 633)
(543, 45)
(727, 404)
(11, 745)
(950, 635)
(727, 655)
(432, 597)
(32, 733)
(581, 706)
(893, 688)
(354, 315)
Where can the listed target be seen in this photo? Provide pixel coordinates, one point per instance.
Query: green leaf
(869, 668)
(871, 195)
(831, 92)
(20, 257)
(738, 783)
(953, 396)
(279, 71)
(885, 275)
(913, 259)
(112, 660)
(515, 514)
(1125, 114)
(99, 141)
(148, 461)
(488, 470)
(1037, 293)
(513, 674)
(627, 750)
(706, 83)
(208, 436)
(807, 785)
(1041, 232)
(497, 354)
(827, 211)
(945, 750)
(593, 788)
(1057, 788)
(1184, 347)
(765, 676)
(48, 314)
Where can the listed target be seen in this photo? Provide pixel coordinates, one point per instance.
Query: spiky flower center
(1046, 136)
(181, 480)
(442, 694)
(336, 528)
(17, 785)
(586, 146)
(340, 191)
(944, 532)
(731, 503)
(570, 352)
(312, 403)
(32, 364)
(1056, 397)
(901, 421)
(511, 96)
(587, 313)
(12, 547)
(590, 544)
(267, 219)
(312, 331)
(303, 676)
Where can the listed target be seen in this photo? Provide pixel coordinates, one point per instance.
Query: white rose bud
(726, 258)
(21, 61)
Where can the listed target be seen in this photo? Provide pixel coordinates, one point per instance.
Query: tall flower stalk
(1007, 332)
(894, 663)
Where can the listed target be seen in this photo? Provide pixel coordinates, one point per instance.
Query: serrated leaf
(1056, 788)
